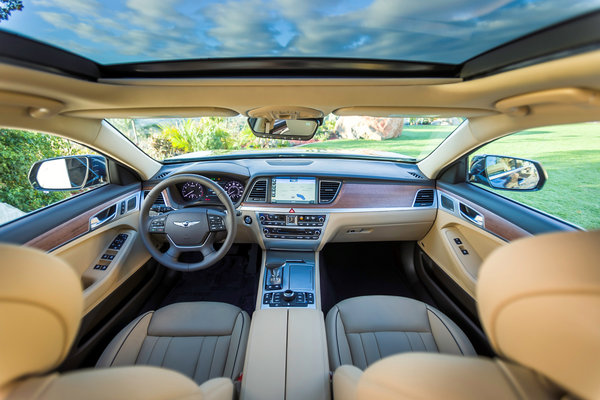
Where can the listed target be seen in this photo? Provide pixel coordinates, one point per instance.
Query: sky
(447, 31)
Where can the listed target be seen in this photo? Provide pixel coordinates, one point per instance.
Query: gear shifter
(275, 274)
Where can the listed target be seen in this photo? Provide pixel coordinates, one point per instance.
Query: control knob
(289, 295)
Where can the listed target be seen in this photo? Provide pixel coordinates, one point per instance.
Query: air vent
(415, 175)
(447, 203)
(290, 163)
(162, 175)
(424, 198)
(259, 191)
(160, 200)
(328, 190)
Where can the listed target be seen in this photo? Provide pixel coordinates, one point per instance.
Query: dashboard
(303, 204)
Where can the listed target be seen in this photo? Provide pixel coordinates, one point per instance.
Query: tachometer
(192, 190)
(235, 190)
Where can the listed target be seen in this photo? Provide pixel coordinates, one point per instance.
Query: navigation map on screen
(294, 190)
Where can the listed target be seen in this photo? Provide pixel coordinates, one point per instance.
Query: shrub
(20, 150)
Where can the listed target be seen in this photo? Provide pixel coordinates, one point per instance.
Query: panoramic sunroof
(436, 31)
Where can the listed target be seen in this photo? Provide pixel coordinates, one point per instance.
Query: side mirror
(507, 173)
(68, 173)
(285, 129)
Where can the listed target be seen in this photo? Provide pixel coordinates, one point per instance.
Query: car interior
(285, 274)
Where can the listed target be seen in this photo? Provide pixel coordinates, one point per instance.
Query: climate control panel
(292, 226)
(292, 219)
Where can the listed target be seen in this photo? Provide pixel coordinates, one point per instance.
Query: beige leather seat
(363, 330)
(539, 303)
(40, 309)
(202, 340)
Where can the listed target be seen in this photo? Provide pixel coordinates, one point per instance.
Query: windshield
(178, 139)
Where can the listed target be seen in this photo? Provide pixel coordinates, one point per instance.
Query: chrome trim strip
(309, 211)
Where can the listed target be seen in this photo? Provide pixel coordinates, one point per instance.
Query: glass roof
(443, 31)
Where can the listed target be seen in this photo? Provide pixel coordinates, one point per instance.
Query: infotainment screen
(294, 190)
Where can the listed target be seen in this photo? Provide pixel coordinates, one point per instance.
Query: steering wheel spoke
(207, 248)
(216, 220)
(156, 224)
(173, 252)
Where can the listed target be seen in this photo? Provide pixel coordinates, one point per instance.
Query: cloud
(243, 28)
(78, 7)
(434, 30)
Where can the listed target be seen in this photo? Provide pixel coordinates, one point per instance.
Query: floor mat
(360, 269)
(232, 280)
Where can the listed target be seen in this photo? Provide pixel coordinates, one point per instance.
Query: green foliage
(20, 150)
(326, 130)
(198, 135)
(8, 6)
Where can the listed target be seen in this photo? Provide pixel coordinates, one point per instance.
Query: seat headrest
(41, 303)
(539, 302)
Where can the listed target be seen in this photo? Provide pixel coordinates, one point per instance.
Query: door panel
(86, 252)
(506, 218)
(440, 245)
(471, 223)
(67, 230)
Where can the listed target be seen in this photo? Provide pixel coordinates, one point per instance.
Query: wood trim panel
(71, 229)
(492, 222)
(363, 195)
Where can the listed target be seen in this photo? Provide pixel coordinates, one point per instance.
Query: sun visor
(400, 112)
(184, 112)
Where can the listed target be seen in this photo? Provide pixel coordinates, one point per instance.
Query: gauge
(192, 190)
(235, 190)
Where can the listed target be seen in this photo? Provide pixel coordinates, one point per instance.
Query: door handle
(104, 216)
(471, 215)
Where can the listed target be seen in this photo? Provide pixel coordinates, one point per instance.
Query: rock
(8, 213)
(370, 128)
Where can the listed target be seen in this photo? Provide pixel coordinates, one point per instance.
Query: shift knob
(289, 295)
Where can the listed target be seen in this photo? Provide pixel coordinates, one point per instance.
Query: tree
(8, 6)
(198, 134)
(19, 150)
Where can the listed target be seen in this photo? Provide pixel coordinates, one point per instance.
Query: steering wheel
(188, 229)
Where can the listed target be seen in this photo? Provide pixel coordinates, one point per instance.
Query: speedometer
(192, 190)
(235, 190)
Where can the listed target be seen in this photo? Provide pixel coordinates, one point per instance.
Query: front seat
(539, 303)
(363, 330)
(202, 340)
(41, 306)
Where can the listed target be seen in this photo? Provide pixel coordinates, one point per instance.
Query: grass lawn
(569, 153)
(415, 141)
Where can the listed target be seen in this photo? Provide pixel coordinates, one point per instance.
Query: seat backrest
(41, 305)
(539, 303)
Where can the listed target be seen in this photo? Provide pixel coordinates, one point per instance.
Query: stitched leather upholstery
(363, 330)
(202, 340)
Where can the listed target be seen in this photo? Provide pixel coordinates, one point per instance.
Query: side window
(21, 150)
(570, 154)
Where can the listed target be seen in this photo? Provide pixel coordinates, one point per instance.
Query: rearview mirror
(285, 129)
(507, 173)
(68, 173)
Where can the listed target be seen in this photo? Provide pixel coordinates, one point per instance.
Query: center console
(289, 280)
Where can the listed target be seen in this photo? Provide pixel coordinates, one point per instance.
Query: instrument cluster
(195, 192)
